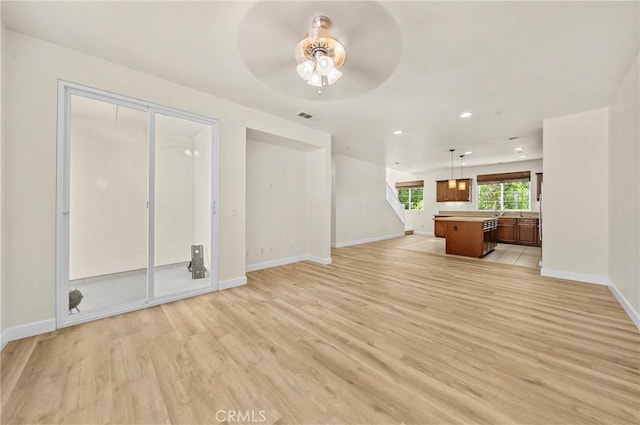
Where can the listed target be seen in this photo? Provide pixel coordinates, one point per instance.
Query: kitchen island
(469, 236)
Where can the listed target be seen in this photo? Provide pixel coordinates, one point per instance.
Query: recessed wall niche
(286, 201)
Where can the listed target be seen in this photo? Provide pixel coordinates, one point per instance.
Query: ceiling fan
(372, 41)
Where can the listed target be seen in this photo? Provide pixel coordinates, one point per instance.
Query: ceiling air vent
(513, 138)
(305, 115)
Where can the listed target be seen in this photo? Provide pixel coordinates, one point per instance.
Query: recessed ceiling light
(468, 153)
(397, 132)
(518, 149)
(523, 156)
(465, 115)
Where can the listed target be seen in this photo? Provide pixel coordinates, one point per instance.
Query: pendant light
(462, 185)
(452, 181)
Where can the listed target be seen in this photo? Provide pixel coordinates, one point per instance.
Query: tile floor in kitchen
(518, 255)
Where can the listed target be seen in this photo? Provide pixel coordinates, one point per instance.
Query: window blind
(409, 185)
(518, 176)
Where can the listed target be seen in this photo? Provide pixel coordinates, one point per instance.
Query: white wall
(286, 204)
(276, 202)
(319, 187)
(30, 159)
(575, 214)
(361, 209)
(3, 310)
(624, 192)
(394, 176)
(333, 202)
(421, 221)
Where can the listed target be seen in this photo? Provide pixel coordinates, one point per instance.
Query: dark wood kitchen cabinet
(469, 236)
(439, 228)
(465, 194)
(521, 231)
(442, 191)
(445, 194)
(527, 231)
(507, 230)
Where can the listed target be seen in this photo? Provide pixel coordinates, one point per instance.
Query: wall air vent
(305, 115)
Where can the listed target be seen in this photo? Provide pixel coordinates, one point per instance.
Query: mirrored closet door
(182, 205)
(108, 171)
(136, 222)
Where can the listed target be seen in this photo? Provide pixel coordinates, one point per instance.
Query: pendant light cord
(451, 150)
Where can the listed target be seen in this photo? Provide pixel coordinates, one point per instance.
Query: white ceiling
(511, 64)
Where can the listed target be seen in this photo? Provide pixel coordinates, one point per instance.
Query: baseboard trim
(587, 278)
(633, 315)
(320, 260)
(274, 263)
(232, 283)
(367, 240)
(27, 330)
(3, 340)
(288, 260)
(422, 233)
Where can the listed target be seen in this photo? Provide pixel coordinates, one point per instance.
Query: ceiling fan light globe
(324, 65)
(315, 80)
(305, 70)
(333, 76)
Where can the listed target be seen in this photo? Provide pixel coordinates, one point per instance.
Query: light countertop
(494, 214)
(467, 219)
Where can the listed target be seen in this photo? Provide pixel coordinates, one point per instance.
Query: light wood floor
(384, 335)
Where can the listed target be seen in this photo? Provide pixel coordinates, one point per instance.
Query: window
(507, 191)
(410, 194)
(504, 196)
(411, 198)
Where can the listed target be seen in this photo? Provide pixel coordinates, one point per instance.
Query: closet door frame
(65, 90)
